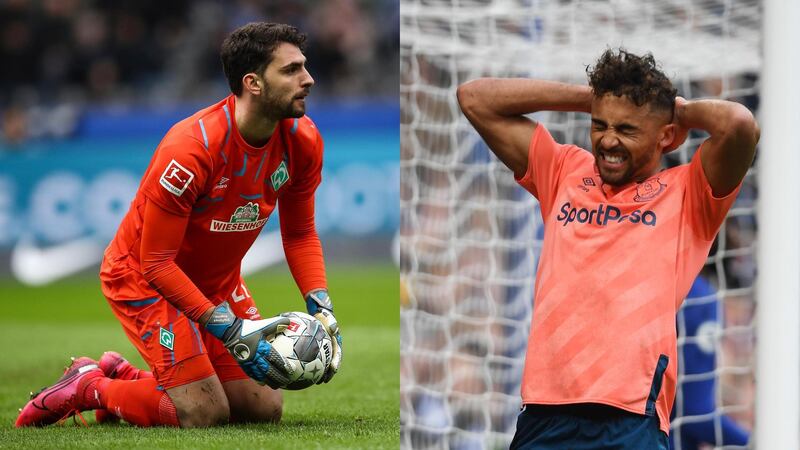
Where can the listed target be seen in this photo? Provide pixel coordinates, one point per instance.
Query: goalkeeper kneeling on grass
(172, 272)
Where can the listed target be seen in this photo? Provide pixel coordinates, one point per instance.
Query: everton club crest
(649, 189)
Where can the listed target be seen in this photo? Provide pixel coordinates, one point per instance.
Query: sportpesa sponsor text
(604, 214)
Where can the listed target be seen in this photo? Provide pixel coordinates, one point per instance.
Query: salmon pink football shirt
(616, 264)
(205, 170)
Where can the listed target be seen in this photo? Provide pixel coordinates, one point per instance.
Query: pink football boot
(64, 398)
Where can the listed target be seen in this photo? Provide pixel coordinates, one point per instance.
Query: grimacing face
(286, 84)
(627, 140)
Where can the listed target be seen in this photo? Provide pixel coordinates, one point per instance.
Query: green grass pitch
(41, 327)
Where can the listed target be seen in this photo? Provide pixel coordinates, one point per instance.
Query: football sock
(123, 370)
(127, 371)
(139, 402)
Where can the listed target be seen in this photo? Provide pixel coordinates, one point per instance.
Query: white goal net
(470, 237)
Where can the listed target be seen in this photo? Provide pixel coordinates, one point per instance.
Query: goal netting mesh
(470, 236)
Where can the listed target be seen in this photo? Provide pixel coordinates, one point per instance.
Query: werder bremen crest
(166, 338)
(244, 218)
(280, 176)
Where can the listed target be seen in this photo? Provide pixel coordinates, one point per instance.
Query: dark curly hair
(249, 49)
(636, 77)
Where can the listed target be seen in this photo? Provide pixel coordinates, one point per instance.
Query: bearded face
(286, 84)
(279, 105)
(626, 139)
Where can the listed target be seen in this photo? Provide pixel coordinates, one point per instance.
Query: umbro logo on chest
(222, 183)
(587, 182)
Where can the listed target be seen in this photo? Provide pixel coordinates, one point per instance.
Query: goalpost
(470, 237)
(778, 387)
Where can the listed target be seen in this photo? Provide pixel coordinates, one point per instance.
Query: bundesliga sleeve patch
(176, 178)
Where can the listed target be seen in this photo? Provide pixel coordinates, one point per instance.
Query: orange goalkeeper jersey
(616, 264)
(205, 170)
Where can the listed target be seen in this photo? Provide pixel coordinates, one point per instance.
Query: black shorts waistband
(586, 410)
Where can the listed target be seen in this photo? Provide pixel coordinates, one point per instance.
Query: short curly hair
(636, 77)
(249, 49)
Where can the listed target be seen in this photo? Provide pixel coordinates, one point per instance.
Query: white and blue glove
(319, 305)
(246, 341)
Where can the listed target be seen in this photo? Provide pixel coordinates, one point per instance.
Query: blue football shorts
(586, 426)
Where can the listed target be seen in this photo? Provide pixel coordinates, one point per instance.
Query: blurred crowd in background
(61, 56)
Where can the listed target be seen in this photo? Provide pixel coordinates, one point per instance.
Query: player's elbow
(469, 96)
(152, 268)
(744, 126)
(753, 129)
(149, 271)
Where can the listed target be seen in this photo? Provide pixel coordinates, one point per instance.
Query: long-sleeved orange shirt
(202, 202)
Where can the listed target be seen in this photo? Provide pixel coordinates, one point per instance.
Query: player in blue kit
(698, 356)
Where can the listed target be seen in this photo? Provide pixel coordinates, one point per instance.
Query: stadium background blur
(87, 90)
(90, 87)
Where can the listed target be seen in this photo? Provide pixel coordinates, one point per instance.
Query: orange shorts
(178, 350)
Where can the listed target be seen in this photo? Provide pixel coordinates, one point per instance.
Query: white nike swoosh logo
(36, 266)
(266, 251)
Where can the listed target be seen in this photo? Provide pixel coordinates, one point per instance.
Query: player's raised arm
(496, 107)
(729, 151)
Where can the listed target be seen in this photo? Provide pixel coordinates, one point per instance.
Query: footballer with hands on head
(172, 272)
(623, 242)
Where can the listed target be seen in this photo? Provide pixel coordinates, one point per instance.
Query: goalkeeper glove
(319, 305)
(246, 341)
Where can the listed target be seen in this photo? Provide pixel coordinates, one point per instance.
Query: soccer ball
(306, 346)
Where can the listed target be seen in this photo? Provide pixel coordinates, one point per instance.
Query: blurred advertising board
(61, 201)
